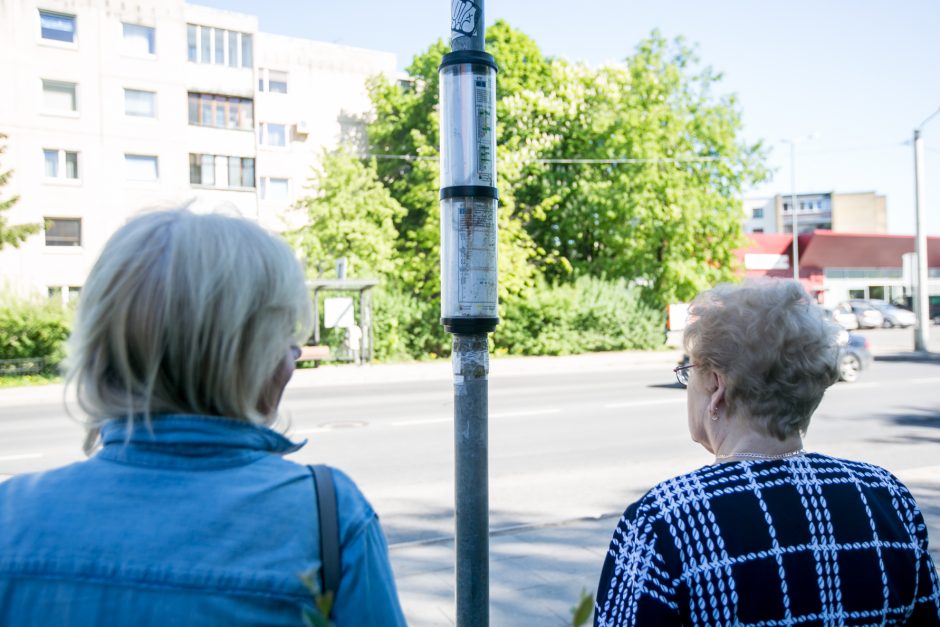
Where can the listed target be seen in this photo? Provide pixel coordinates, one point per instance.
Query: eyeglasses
(682, 374)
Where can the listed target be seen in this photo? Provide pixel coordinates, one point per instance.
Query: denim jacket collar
(220, 441)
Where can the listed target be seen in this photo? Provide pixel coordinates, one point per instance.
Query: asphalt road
(569, 438)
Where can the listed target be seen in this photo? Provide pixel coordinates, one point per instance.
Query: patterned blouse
(810, 540)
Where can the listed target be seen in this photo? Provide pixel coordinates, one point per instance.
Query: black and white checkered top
(810, 540)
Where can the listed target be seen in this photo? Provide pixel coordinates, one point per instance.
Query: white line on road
(422, 421)
(925, 380)
(660, 401)
(530, 412)
(10, 458)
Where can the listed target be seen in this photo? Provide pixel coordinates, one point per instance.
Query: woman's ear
(716, 399)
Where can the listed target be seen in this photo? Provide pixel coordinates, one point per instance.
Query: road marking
(10, 458)
(422, 421)
(661, 401)
(531, 412)
(926, 380)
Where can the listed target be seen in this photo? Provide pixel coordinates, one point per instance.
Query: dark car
(854, 356)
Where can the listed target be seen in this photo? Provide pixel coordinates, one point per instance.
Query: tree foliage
(11, 235)
(349, 214)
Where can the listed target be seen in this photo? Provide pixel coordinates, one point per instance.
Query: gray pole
(921, 300)
(796, 243)
(471, 365)
(468, 258)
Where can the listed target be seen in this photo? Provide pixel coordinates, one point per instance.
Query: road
(569, 437)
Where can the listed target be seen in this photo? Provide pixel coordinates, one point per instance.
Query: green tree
(349, 214)
(669, 216)
(11, 235)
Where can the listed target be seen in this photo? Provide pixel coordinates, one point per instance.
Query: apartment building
(113, 108)
(857, 212)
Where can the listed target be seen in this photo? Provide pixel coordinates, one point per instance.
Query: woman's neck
(746, 444)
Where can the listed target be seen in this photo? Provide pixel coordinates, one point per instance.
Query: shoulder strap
(329, 528)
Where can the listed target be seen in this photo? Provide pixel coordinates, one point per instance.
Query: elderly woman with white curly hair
(185, 337)
(770, 533)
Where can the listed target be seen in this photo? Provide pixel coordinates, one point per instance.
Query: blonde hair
(185, 313)
(774, 346)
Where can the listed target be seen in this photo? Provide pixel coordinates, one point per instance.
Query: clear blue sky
(861, 73)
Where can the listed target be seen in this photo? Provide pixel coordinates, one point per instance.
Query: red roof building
(839, 266)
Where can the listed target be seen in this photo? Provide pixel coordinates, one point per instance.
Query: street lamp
(796, 245)
(921, 299)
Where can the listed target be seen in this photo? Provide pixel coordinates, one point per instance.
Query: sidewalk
(537, 574)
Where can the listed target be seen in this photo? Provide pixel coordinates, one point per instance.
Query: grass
(23, 380)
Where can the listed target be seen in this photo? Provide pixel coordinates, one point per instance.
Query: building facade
(113, 108)
(856, 212)
(836, 267)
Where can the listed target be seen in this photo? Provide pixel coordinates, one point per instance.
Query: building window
(206, 44)
(140, 103)
(221, 111)
(246, 50)
(141, 167)
(139, 40)
(236, 172)
(273, 134)
(60, 164)
(275, 188)
(191, 43)
(59, 96)
(57, 26)
(273, 81)
(63, 231)
(758, 212)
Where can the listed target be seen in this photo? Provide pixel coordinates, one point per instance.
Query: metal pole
(471, 366)
(796, 242)
(921, 300)
(468, 258)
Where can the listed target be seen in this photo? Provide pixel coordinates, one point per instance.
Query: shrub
(588, 315)
(407, 327)
(33, 329)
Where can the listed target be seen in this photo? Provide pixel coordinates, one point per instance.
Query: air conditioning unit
(302, 127)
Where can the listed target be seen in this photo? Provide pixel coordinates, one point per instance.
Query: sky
(861, 74)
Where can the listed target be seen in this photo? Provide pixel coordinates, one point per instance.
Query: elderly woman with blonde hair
(185, 337)
(770, 533)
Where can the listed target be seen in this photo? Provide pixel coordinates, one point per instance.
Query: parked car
(843, 316)
(868, 316)
(854, 356)
(893, 315)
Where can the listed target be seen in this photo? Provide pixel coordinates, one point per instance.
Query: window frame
(68, 113)
(73, 43)
(208, 107)
(153, 95)
(264, 135)
(131, 156)
(61, 175)
(61, 238)
(151, 41)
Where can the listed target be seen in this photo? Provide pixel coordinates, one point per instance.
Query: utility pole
(796, 231)
(921, 300)
(469, 307)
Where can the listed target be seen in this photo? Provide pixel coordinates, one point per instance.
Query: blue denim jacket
(197, 522)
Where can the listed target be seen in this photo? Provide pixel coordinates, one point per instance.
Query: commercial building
(838, 266)
(114, 107)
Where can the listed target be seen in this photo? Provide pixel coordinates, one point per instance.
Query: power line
(614, 161)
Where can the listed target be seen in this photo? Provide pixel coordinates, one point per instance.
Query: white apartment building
(112, 108)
